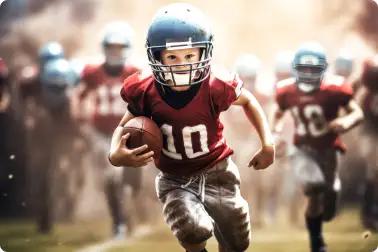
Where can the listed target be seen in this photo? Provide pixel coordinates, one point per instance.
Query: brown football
(144, 131)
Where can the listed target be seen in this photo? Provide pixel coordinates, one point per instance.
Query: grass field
(345, 234)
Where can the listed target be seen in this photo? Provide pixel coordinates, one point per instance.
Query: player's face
(178, 57)
(115, 54)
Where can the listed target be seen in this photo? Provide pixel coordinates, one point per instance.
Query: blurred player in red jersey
(199, 183)
(367, 94)
(314, 103)
(51, 133)
(102, 83)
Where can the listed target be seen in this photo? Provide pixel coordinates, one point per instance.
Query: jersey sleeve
(281, 99)
(133, 93)
(88, 77)
(225, 92)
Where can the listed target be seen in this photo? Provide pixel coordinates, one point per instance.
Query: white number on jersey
(109, 100)
(314, 124)
(187, 132)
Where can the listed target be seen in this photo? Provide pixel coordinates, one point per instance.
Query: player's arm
(256, 116)
(120, 155)
(276, 119)
(352, 118)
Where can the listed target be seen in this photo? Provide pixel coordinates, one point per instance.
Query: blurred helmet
(50, 51)
(117, 42)
(283, 65)
(179, 26)
(247, 67)
(309, 66)
(56, 77)
(344, 65)
(369, 75)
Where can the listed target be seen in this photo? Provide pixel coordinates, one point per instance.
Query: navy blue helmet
(50, 51)
(309, 66)
(179, 26)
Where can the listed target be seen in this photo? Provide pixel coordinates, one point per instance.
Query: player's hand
(263, 158)
(122, 156)
(338, 125)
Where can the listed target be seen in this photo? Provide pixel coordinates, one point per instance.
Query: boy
(198, 184)
(314, 103)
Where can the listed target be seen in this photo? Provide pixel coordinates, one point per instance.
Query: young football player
(314, 103)
(367, 94)
(199, 183)
(101, 82)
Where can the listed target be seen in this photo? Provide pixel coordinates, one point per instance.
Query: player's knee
(313, 189)
(329, 215)
(189, 225)
(191, 233)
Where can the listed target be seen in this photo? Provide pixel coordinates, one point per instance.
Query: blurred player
(199, 183)
(50, 132)
(282, 65)
(102, 83)
(344, 65)
(368, 137)
(314, 103)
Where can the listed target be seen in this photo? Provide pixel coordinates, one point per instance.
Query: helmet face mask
(309, 66)
(115, 54)
(176, 27)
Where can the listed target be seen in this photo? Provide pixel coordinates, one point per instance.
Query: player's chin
(180, 88)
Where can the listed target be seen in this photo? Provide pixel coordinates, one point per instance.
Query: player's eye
(190, 56)
(171, 57)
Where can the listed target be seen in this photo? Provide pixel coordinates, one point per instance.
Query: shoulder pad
(285, 82)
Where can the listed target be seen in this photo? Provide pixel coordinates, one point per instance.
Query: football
(144, 131)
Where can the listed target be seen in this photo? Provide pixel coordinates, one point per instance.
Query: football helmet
(56, 77)
(369, 75)
(247, 66)
(117, 42)
(179, 26)
(309, 66)
(282, 65)
(344, 65)
(50, 51)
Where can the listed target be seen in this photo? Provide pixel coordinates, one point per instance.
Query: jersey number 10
(187, 132)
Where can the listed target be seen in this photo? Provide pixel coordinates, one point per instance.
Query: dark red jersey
(109, 107)
(193, 134)
(313, 112)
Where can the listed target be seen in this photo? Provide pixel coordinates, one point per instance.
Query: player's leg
(314, 219)
(135, 209)
(184, 213)
(114, 195)
(328, 160)
(311, 177)
(227, 207)
(369, 213)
